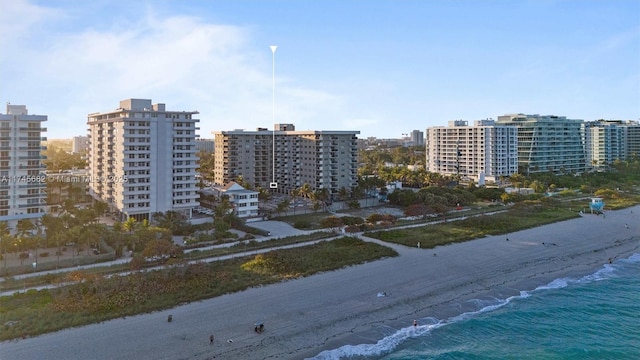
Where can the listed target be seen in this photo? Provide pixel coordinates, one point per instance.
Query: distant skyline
(381, 67)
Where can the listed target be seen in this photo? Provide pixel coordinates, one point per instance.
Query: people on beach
(626, 226)
(211, 339)
(415, 323)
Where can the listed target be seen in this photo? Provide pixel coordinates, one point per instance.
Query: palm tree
(129, 226)
(24, 231)
(5, 241)
(306, 191)
(294, 194)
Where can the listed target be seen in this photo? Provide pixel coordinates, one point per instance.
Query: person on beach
(626, 226)
(415, 323)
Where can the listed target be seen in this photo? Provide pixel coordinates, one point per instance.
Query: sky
(381, 67)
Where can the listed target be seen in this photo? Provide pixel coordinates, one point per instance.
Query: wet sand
(302, 317)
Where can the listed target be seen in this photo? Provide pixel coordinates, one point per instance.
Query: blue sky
(382, 67)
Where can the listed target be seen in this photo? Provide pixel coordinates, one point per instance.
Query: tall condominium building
(417, 138)
(79, 144)
(633, 138)
(482, 151)
(605, 142)
(548, 143)
(322, 159)
(22, 180)
(205, 145)
(142, 159)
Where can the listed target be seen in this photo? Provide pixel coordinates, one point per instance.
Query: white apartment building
(244, 201)
(142, 159)
(22, 180)
(548, 143)
(482, 151)
(288, 158)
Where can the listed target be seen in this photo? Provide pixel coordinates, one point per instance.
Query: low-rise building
(244, 201)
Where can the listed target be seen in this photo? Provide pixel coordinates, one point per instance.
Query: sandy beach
(305, 316)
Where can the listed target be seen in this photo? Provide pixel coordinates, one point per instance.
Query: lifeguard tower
(597, 205)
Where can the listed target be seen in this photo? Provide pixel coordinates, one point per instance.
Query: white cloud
(179, 60)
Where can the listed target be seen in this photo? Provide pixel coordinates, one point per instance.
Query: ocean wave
(390, 343)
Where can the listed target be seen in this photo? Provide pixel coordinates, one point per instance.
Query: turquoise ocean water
(593, 317)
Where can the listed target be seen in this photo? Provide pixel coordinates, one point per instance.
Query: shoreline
(304, 317)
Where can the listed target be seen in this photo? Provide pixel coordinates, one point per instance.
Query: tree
(343, 193)
(322, 195)
(517, 180)
(306, 191)
(282, 206)
(5, 241)
(130, 225)
(223, 207)
(332, 222)
(294, 194)
(537, 186)
(174, 221)
(100, 208)
(418, 210)
(441, 209)
(161, 250)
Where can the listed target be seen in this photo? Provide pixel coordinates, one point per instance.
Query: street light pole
(273, 184)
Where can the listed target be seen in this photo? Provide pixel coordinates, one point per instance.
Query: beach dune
(302, 317)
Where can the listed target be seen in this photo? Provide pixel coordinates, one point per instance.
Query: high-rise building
(605, 142)
(142, 159)
(482, 151)
(548, 143)
(22, 179)
(633, 138)
(79, 144)
(322, 159)
(417, 138)
(205, 145)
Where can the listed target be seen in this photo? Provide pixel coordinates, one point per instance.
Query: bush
(44, 254)
(24, 256)
(374, 218)
(352, 220)
(302, 224)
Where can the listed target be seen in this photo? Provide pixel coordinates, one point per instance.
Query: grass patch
(308, 221)
(520, 218)
(98, 298)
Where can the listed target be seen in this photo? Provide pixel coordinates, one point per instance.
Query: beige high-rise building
(482, 151)
(142, 159)
(322, 159)
(22, 179)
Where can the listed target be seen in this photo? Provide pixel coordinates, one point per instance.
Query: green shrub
(302, 224)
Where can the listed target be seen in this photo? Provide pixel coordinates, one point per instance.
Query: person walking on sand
(211, 339)
(415, 323)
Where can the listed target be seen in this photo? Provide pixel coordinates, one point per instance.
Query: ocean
(593, 317)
